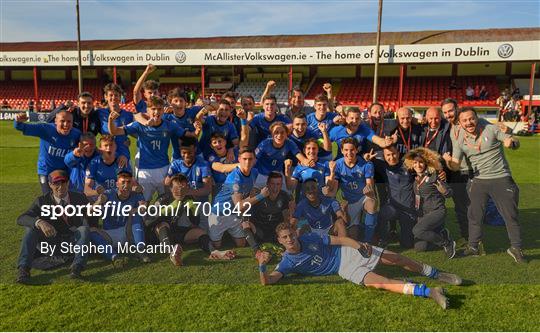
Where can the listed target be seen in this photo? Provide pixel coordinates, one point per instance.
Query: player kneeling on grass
(311, 254)
(318, 213)
(118, 228)
(178, 222)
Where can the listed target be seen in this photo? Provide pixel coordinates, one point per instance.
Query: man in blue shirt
(115, 224)
(321, 115)
(355, 178)
(235, 200)
(153, 143)
(217, 123)
(302, 173)
(183, 117)
(56, 140)
(195, 168)
(260, 124)
(271, 153)
(78, 160)
(217, 158)
(112, 97)
(354, 128)
(150, 88)
(311, 254)
(300, 131)
(102, 169)
(322, 214)
(178, 222)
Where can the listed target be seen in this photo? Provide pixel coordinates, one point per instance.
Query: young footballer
(116, 227)
(178, 222)
(272, 152)
(112, 94)
(103, 169)
(300, 131)
(355, 178)
(311, 254)
(153, 143)
(56, 140)
(183, 117)
(321, 115)
(235, 200)
(150, 88)
(272, 210)
(318, 213)
(195, 168)
(260, 125)
(217, 123)
(354, 128)
(78, 160)
(301, 173)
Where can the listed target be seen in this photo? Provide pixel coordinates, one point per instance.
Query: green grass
(214, 296)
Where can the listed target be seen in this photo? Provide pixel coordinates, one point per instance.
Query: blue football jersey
(219, 177)
(313, 125)
(194, 173)
(53, 146)
(318, 172)
(302, 140)
(124, 119)
(210, 127)
(153, 142)
(270, 158)
(236, 182)
(185, 122)
(338, 133)
(104, 174)
(114, 221)
(77, 170)
(261, 126)
(141, 106)
(317, 257)
(320, 217)
(353, 180)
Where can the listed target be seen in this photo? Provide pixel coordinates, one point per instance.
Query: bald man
(408, 133)
(436, 132)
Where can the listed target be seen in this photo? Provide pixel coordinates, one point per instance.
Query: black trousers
(389, 213)
(460, 196)
(505, 194)
(429, 225)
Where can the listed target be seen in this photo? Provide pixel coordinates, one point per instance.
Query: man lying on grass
(311, 254)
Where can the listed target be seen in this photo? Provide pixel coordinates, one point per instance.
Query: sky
(52, 20)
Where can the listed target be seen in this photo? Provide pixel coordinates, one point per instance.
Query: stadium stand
(256, 87)
(417, 91)
(19, 93)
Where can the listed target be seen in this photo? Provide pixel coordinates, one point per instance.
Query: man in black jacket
(48, 231)
(85, 118)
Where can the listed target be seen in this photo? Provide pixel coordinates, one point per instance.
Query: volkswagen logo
(505, 50)
(180, 57)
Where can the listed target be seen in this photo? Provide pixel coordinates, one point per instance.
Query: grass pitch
(499, 294)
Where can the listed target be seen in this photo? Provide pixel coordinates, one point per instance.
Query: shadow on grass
(456, 301)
